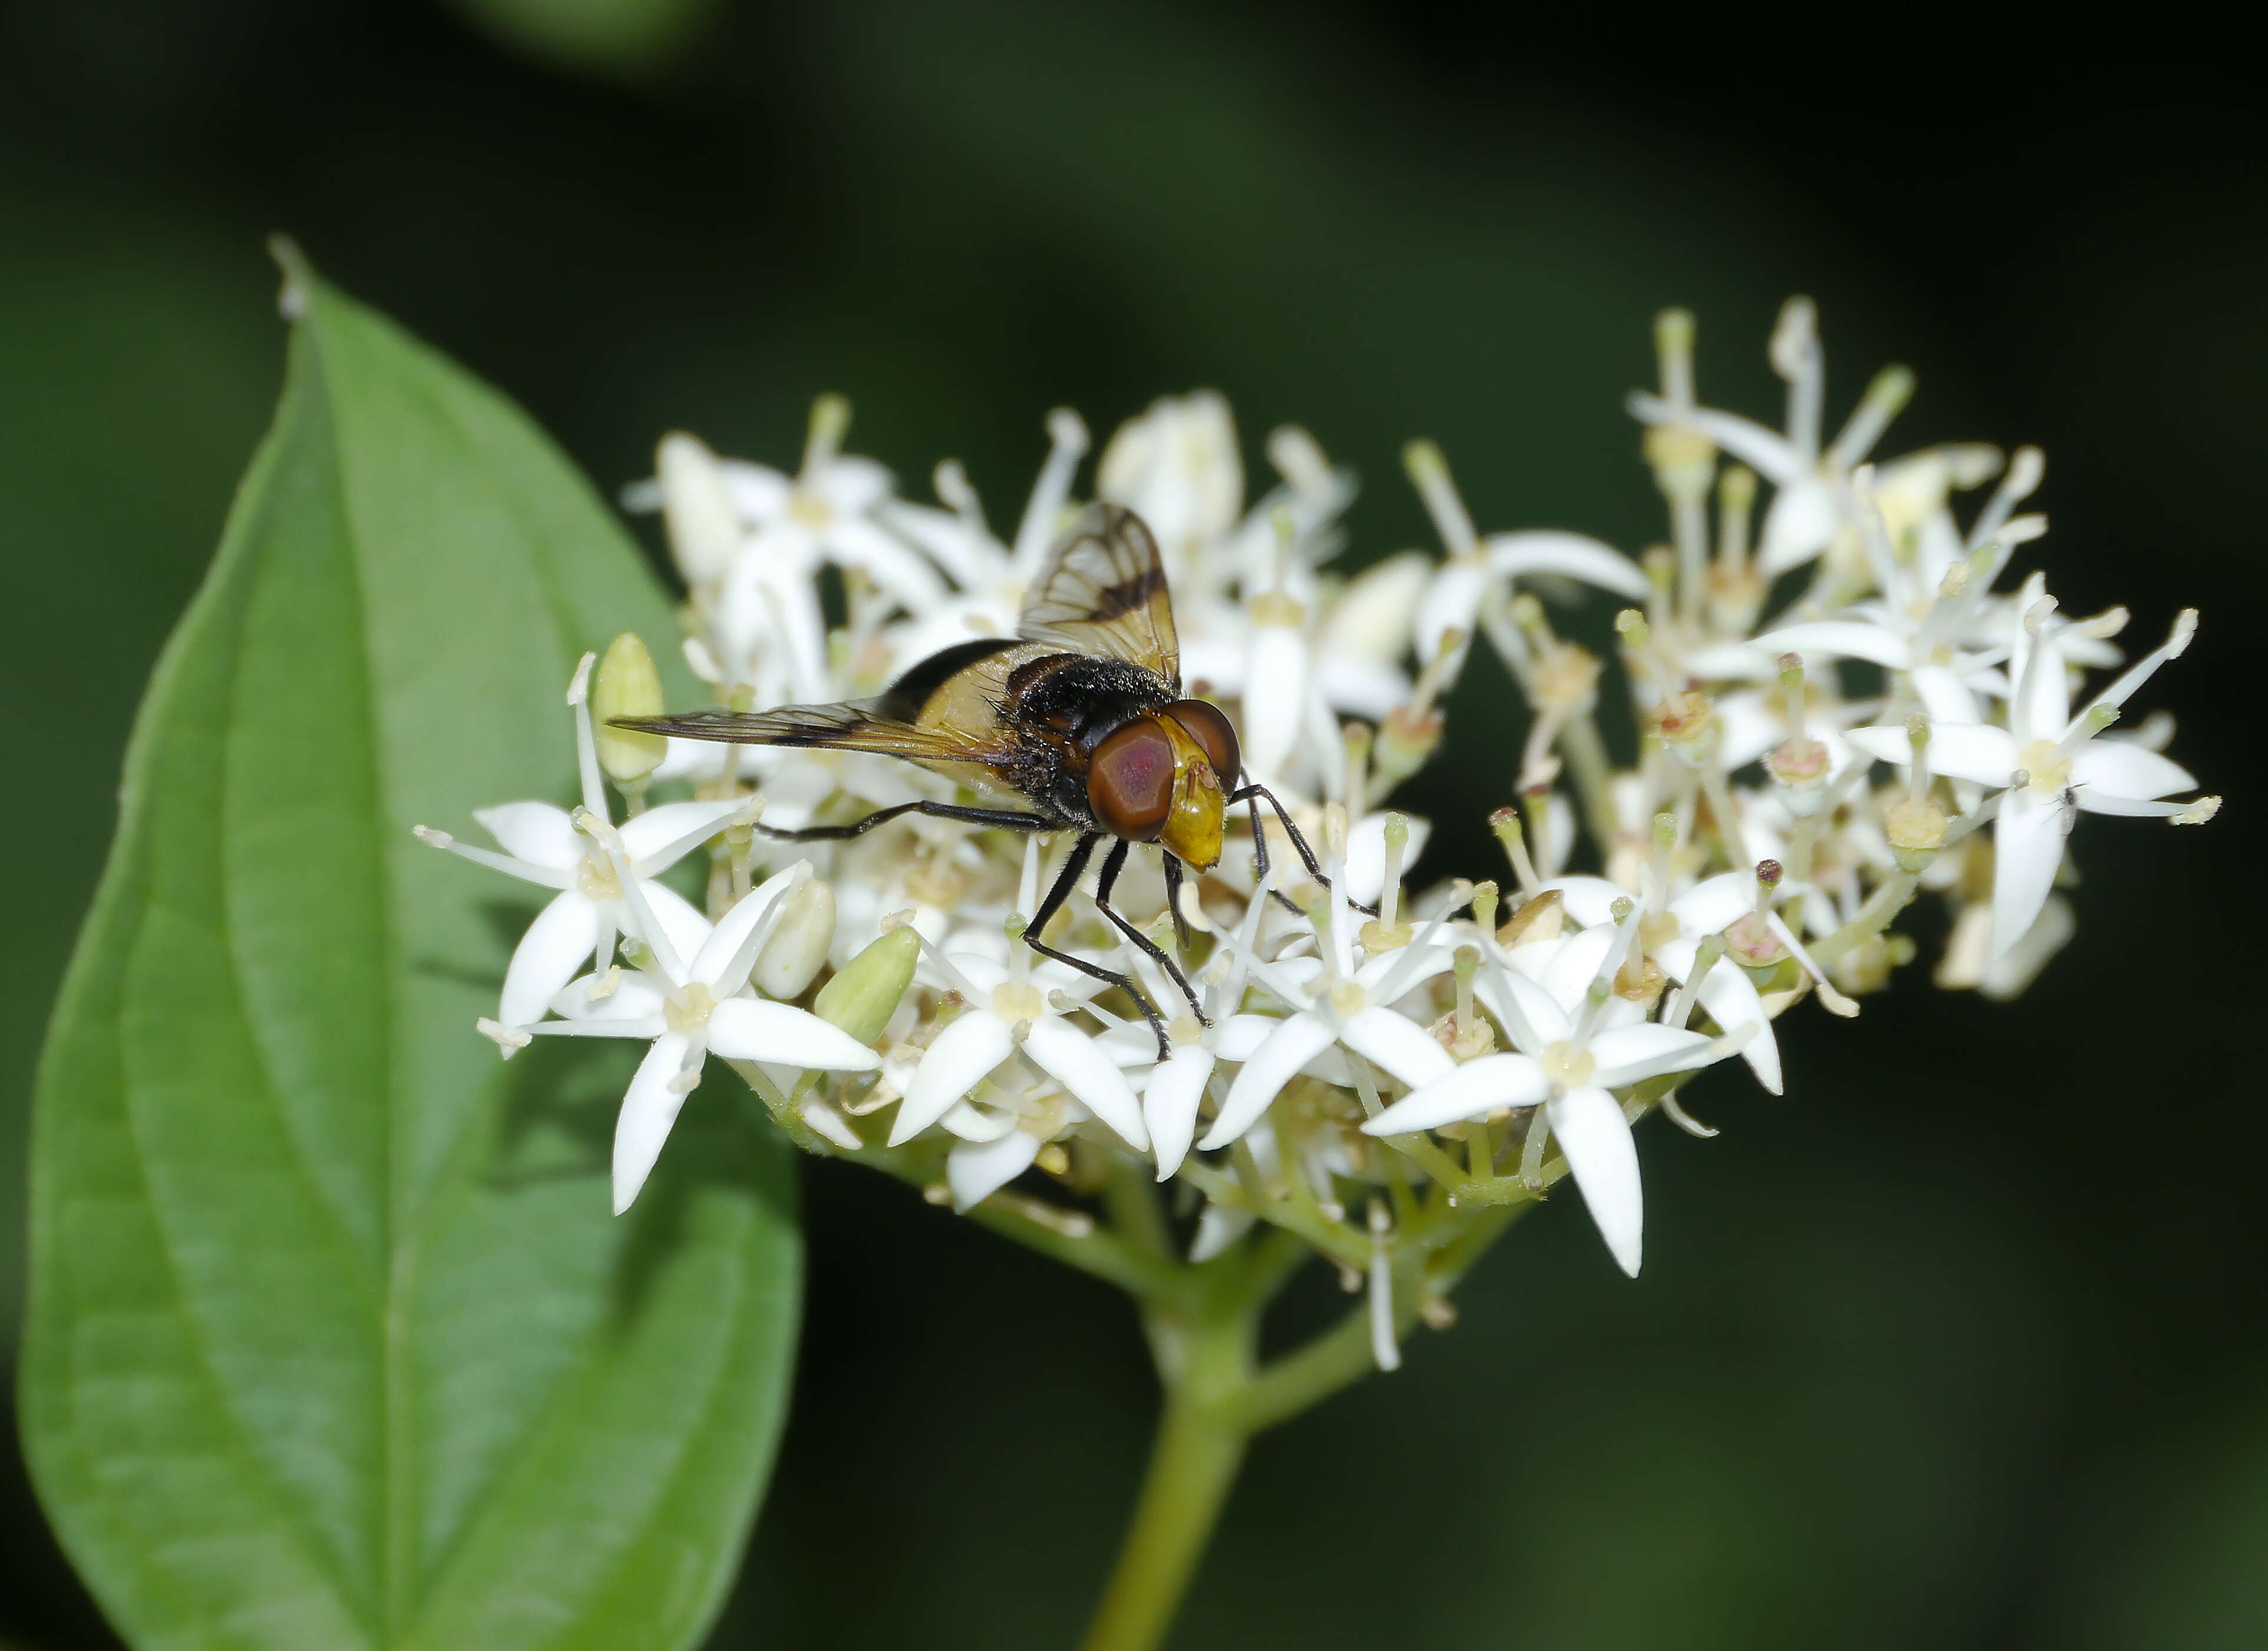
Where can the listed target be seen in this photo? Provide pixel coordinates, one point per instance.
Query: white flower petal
(852, 484)
(976, 1171)
(973, 1122)
(1169, 1105)
(633, 998)
(1352, 682)
(1475, 1090)
(1294, 1044)
(1531, 1017)
(2041, 702)
(1241, 1036)
(1391, 976)
(1710, 906)
(1369, 622)
(1070, 1057)
(2126, 770)
(704, 518)
(1452, 602)
(1731, 999)
(1589, 901)
(1839, 640)
(651, 1106)
(1275, 696)
(1972, 751)
(2008, 975)
(1366, 854)
(749, 1028)
(1396, 1045)
(1943, 694)
(682, 926)
(2027, 850)
(659, 839)
(1575, 555)
(720, 955)
(1575, 965)
(955, 1062)
(1218, 1226)
(1589, 1126)
(557, 945)
(536, 832)
(1632, 1054)
(1768, 453)
(757, 491)
(893, 566)
(1797, 528)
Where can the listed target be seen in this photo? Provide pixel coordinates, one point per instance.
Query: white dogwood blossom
(1821, 705)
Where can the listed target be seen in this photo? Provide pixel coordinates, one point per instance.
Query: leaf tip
(299, 276)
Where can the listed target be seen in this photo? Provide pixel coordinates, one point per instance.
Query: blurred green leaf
(618, 38)
(332, 1340)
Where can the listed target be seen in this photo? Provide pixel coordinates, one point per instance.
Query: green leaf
(333, 1341)
(623, 40)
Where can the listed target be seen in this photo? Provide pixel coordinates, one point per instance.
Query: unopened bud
(798, 945)
(864, 992)
(705, 526)
(627, 685)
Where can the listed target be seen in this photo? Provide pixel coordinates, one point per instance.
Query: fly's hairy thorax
(1056, 706)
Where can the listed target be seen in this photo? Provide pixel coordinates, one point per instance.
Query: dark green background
(1962, 1344)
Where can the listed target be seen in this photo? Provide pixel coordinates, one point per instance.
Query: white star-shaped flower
(1670, 931)
(761, 592)
(1576, 1057)
(690, 998)
(2049, 766)
(543, 843)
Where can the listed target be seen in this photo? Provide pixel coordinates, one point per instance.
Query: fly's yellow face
(1192, 830)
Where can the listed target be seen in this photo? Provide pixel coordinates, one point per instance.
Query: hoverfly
(1078, 723)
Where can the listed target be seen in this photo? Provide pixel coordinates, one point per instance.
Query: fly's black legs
(1174, 902)
(1006, 818)
(1111, 866)
(1066, 882)
(1259, 849)
(1249, 795)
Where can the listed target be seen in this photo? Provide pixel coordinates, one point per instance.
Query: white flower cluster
(1469, 1042)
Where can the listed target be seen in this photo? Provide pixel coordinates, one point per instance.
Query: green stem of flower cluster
(1875, 916)
(1203, 1320)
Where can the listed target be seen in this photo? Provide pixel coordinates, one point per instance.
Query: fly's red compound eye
(1209, 726)
(1130, 779)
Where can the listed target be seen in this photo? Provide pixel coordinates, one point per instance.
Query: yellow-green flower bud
(627, 685)
(798, 945)
(864, 992)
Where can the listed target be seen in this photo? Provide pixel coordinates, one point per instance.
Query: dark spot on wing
(903, 699)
